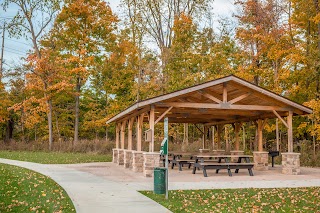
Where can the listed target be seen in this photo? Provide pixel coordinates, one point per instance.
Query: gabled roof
(223, 100)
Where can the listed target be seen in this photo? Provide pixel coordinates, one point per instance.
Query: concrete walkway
(107, 187)
(91, 193)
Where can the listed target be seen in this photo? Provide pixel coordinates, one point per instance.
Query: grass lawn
(241, 200)
(54, 157)
(23, 190)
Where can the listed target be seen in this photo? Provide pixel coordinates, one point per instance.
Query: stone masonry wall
(128, 159)
(151, 160)
(120, 156)
(137, 161)
(115, 155)
(260, 160)
(291, 163)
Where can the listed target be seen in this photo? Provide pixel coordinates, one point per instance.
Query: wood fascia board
(143, 110)
(223, 106)
(281, 119)
(272, 95)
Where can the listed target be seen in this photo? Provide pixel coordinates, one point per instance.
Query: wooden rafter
(211, 97)
(239, 98)
(281, 119)
(163, 114)
(224, 106)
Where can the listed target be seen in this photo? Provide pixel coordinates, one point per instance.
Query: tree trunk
(49, 102)
(9, 129)
(76, 123)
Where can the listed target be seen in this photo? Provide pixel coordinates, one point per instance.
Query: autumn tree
(87, 34)
(156, 19)
(31, 21)
(262, 34)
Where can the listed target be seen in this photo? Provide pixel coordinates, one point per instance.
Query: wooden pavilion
(228, 100)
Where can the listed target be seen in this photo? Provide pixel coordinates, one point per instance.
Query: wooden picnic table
(182, 158)
(242, 162)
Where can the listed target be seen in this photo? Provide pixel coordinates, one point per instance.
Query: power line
(18, 41)
(21, 54)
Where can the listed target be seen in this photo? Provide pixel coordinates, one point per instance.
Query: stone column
(120, 156)
(137, 161)
(236, 152)
(127, 159)
(291, 163)
(114, 155)
(260, 160)
(150, 160)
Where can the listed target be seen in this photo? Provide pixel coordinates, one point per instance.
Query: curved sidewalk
(91, 193)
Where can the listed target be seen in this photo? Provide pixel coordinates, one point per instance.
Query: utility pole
(2, 50)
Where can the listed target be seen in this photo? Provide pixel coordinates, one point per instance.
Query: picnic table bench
(228, 166)
(182, 158)
(200, 163)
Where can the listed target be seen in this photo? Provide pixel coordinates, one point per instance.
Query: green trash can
(159, 180)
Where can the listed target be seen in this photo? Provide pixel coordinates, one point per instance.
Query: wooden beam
(277, 134)
(139, 131)
(225, 93)
(123, 128)
(186, 133)
(219, 129)
(260, 128)
(239, 98)
(290, 134)
(163, 114)
(280, 118)
(237, 127)
(209, 96)
(151, 126)
(133, 115)
(223, 106)
(213, 142)
(117, 134)
(130, 124)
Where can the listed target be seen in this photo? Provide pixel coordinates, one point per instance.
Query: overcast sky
(17, 48)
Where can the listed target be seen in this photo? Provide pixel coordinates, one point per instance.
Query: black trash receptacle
(159, 180)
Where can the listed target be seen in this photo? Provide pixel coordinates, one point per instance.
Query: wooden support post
(290, 135)
(139, 131)
(225, 93)
(226, 138)
(237, 127)
(203, 136)
(151, 126)
(260, 128)
(219, 129)
(186, 133)
(117, 135)
(123, 128)
(244, 138)
(213, 128)
(130, 124)
(277, 133)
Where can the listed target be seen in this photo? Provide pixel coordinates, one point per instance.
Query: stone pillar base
(114, 155)
(204, 150)
(151, 160)
(219, 152)
(120, 156)
(291, 163)
(260, 160)
(127, 159)
(137, 161)
(236, 152)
